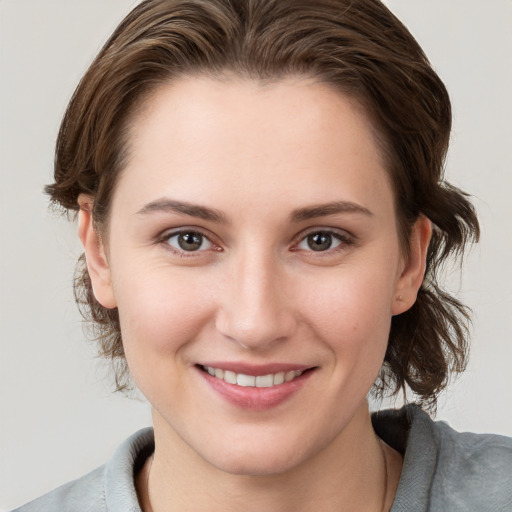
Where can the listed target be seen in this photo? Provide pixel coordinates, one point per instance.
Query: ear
(413, 271)
(95, 254)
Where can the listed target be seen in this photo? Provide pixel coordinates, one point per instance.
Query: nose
(256, 309)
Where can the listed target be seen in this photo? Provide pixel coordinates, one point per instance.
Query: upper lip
(256, 370)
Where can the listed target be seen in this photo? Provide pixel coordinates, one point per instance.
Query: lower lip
(254, 398)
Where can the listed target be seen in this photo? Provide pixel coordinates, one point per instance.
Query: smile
(252, 381)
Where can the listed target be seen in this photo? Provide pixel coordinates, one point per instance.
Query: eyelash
(343, 239)
(166, 237)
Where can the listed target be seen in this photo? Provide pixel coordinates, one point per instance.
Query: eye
(189, 241)
(321, 241)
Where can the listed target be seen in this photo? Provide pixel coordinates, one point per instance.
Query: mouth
(253, 381)
(255, 388)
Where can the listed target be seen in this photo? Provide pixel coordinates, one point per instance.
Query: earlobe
(95, 255)
(412, 275)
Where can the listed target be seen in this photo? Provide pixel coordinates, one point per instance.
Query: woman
(262, 208)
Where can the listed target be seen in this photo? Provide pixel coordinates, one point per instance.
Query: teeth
(278, 378)
(264, 381)
(288, 376)
(230, 377)
(261, 381)
(246, 380)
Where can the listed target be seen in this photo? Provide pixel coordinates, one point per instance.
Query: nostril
(256, 330)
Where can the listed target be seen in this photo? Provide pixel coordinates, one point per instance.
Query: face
(254, 259)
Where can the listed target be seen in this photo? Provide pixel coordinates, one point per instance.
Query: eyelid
(164, 237)
(345, 238)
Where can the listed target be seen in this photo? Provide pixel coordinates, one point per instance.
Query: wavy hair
(356, 46)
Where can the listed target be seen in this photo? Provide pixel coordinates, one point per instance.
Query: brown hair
(357, 46)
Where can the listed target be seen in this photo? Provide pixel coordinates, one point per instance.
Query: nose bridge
(255, 310)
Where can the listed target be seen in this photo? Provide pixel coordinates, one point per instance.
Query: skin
(256, 292)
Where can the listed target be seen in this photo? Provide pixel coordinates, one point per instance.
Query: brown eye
(189, 241)
(320, 241)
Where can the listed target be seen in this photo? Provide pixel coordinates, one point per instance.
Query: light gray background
(58, 418)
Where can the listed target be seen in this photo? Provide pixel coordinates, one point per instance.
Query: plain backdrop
(58, 416)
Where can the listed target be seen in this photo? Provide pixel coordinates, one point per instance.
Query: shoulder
(472, 468)
(85, 494)
(444, 469)
(107, 489)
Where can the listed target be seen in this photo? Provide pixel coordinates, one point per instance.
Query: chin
(260, 457)
(257, 465)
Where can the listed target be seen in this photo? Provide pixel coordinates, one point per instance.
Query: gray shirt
(443, 471)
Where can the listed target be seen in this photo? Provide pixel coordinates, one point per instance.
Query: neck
(353, 472)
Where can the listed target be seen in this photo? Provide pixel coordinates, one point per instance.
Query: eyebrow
(213, 215)
(182, 207)
(321, 210)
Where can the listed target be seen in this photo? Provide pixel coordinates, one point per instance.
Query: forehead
(244, 137)
(232, 105)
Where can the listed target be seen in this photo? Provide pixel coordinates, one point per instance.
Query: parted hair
(356, 46)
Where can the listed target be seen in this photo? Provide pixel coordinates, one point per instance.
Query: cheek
(351, 310)
(160, 312)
